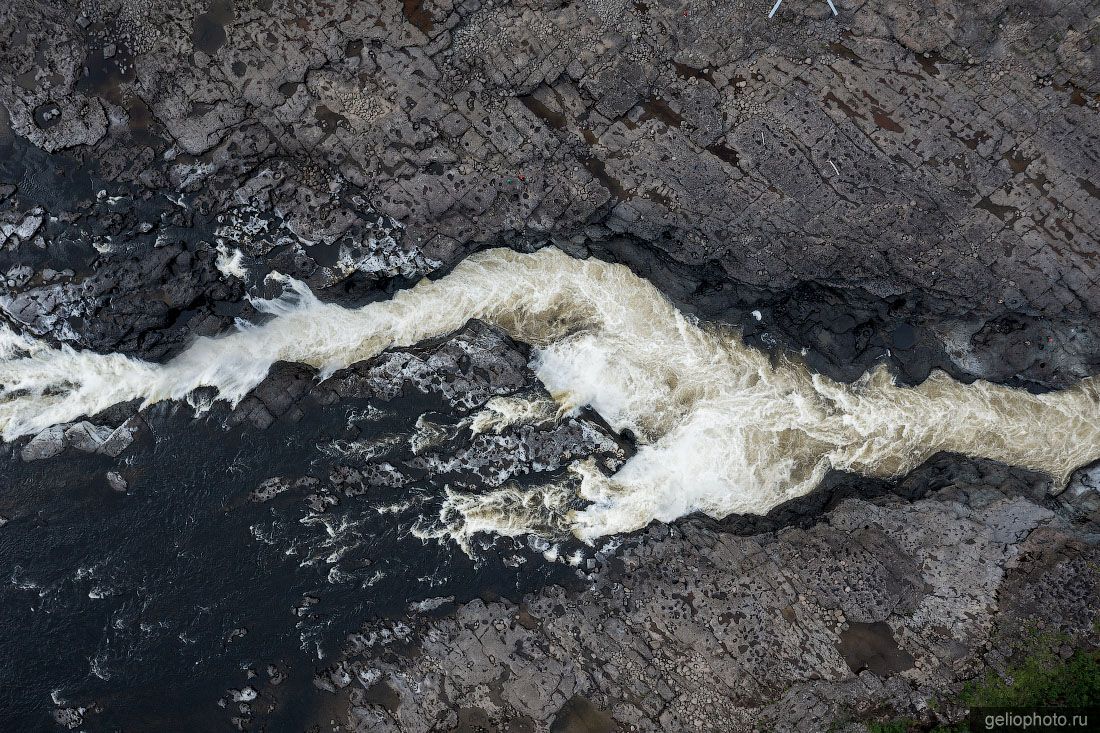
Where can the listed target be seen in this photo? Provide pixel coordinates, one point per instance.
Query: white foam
(502, 412)
(230, 263)
(722, 428)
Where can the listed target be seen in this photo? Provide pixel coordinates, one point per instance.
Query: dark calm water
(134, 601)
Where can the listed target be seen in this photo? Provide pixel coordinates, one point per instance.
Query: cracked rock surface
(899, 182)
(884, 606)
(907, 182)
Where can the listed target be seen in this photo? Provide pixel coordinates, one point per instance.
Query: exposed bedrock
(898, 178)
(906, 182)
(880, 609)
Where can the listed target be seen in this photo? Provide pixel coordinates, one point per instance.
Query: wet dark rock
(477, 363)
(490, 460)
(272, 487)
(465, 369)
(872, 646)
(333, 678)
(275, 675)
(1082, 495)
(148, 304)
(356, 481)
(276, 397)
(579, 715)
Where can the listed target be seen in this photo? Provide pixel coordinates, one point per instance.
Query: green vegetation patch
(1041, 678)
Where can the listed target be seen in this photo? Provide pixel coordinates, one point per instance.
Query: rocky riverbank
(877, 609)
(895, 183)
(898, 183)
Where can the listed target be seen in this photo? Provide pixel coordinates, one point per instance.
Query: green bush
(1042, 678)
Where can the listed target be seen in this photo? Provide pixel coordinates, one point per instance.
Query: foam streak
(722, 428)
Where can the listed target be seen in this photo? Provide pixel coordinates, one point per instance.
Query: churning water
(721, 427)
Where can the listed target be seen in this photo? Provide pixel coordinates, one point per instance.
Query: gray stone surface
(116, 481)
(900, 182)
(82, 436)
(46, 444)
(906, 182)
(1083, 492)
(882, 609)
(87, 437)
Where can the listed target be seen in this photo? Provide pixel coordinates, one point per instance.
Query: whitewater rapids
(722, 427)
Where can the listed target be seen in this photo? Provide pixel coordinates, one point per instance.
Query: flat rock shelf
(391, 544)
